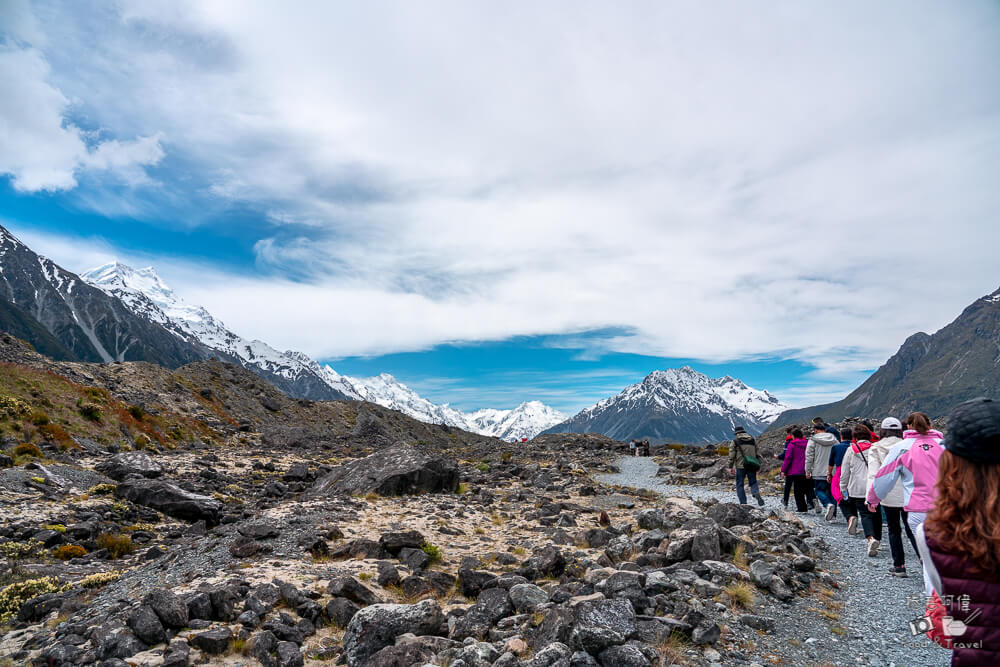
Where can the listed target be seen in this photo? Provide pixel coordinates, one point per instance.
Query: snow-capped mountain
(678, 405)
(145, 294)
(70, 320)
(295, 373)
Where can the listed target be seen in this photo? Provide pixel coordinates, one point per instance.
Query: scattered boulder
(375, 627)
(170, 499)
(402, 469)
(120, 466)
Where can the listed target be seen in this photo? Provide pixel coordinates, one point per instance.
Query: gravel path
(876, 610)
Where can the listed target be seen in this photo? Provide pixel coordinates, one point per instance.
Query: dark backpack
(750, 463)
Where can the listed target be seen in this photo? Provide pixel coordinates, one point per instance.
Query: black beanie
(974, 431)
(739, 429)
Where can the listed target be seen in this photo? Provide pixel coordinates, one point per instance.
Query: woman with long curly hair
(960, 541)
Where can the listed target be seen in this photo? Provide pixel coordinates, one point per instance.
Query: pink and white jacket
(914, 462)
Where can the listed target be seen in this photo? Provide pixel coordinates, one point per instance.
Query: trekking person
(820, 423)
(854, 485)
(834, 465)
(959, 542)
(632, 446)
(914, 463)
(890, 434)
(818, 468)
(744, 462)
(794, 468)
(781, 457)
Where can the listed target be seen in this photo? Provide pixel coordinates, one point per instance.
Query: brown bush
(28, 449)
(117, 545)
(58, 435)
(67, 551)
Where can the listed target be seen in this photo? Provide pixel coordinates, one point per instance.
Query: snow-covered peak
(144, 292)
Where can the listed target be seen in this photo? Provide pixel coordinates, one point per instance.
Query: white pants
(915, 520)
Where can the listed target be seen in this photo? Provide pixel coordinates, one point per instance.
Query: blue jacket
(837, 453)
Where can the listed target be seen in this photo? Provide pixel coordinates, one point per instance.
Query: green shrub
(39, 419)
(89, 411)
(137, 412)
(67, 551)
(433, 551)
(12, 597)
(28, 449)
(58, 527)
(13, 407)
(98, 579)
(102, 489)
(19, 550)
(117, 545)
(483, 467)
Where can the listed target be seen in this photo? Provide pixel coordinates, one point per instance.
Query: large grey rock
(492, 605)
(761, 573)
(346, 586)
(734, 514)
(146, 625)
(375, 627)
(527, 597)
(120, 466)
(171, 609)
(171, 500)
(623, 656)
(398, 470)
(602, 623)
(214, 641)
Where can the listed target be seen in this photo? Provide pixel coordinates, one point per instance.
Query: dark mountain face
(677, 405)
(88, 324)
(931, 374)
(20, 324)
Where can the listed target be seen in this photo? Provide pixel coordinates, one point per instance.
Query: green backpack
(750, 463)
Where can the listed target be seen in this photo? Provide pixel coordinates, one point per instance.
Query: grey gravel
(876, 609)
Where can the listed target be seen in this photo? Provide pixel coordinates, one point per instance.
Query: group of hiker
(639, 447)
(944, 494)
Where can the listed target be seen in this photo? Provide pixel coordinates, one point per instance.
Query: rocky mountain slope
(146, 295)
(87, 324)
(677, 405)
(295, 373)
(201, 516)
(930, 373)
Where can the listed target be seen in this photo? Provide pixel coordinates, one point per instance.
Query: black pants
(847, 508)
(871, 522)
(894, 516)
(789, 481)
(800, 487)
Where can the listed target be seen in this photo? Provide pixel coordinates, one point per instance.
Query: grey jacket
(876, 457)
(854, 471)
(818, 454)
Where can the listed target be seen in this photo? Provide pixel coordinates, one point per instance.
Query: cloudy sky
(505, 201)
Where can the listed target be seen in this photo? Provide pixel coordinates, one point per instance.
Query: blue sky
(547, 203)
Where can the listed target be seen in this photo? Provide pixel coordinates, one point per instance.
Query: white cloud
(725, 181)
(39, 148)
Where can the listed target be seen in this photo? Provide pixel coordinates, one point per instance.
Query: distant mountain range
(930, 373)
(678, 405)
(118, 313)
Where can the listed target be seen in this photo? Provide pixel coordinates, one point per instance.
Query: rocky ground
(198, 516)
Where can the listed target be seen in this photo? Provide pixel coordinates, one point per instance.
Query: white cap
(891, 423)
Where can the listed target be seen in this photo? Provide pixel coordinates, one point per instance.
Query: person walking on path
(854, 485)
(960, 541)
(835, 463)
(744, 462)
(818, 469)
(914, 463)
(891, 434)
(794, 468)
(820, 425)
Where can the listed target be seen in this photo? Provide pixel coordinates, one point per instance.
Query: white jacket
(854, 471)
(876, 457)
(818, 454)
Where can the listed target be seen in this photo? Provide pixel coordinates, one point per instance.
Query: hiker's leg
(909, 534)
(893, 516)
(754, 488)
(740, 493)
(800, 487)
(789, 482)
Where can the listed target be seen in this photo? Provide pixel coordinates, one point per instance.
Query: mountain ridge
(296, 373)
(677, 405)
(931, 373)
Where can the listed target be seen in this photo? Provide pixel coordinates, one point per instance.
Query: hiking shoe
(872, 547)
(852, 526)
(817, 505)
(899, 571)
(831, 511)
(760, 501)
